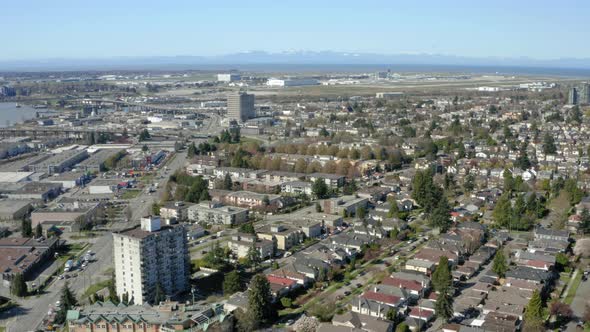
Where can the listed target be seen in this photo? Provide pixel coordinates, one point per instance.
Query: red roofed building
(433, 256)
(281, 286)
(423, 314)
(391, 300)
(413, 286)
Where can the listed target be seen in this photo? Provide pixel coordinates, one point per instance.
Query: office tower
(584, 94)
(149, 255)
(240, 106)
(572, 97)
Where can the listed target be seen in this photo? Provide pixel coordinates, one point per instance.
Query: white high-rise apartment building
(150, 255)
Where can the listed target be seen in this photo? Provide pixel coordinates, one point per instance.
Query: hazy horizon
(66, 29)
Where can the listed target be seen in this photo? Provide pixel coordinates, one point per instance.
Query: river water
(10, 114)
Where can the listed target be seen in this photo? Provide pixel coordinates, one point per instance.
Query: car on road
(290, 322)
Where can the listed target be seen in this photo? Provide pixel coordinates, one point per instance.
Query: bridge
(37, 132)
(139, 107)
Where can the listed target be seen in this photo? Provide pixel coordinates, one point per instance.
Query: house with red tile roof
(423, 314)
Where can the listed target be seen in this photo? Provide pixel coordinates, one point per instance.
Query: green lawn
(130, 193)
(95, 288)
(572, 292)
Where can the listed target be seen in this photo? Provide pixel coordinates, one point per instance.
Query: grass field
(130, 193)
(569, 298)
(95, 288)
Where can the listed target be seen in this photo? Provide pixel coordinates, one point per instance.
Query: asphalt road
(32, 310)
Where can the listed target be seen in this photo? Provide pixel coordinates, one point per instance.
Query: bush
(286, 302)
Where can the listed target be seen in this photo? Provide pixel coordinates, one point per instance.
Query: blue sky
(38, 29)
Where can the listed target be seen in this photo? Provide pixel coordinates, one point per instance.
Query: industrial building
(60, 162)
(231, 77)
(149, 255)
(276, 82)
(24, 255)
(96, 162)
(14, 209)
(240, 106)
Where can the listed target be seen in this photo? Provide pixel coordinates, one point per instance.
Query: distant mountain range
(257, 58)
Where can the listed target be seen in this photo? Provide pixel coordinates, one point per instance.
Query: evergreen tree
(502, 213)
(192, 150)
(159, 294)
(499, 265)
(533, 315)
(440, 217)
(260, 308)
(253, 256)
(393, 210)
(549, 144)
(231, 283)
(227, 182)
(38, 231)
(523, 160)
(112, 290)
(508, 181)
(444, 304)
(469, 183)
(585, 222)
(442, 278)
(68, 301)
(319, 188)
(156, 209)
(18, 286)
(26, 229)
(144, 135)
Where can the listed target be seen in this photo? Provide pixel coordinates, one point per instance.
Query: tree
(440, 217)
(159, 294)
(319, 188)
(585, 222)
(231, 283)
(360, 212)
(286, 302)
(38, 231)
(523, 160)
(534, 309)
(561, 310)
(227, 182)
(393, 210)
(144, 135)
(260, 308)
(192, 150)
(442, 278)
(68, 301)
(402, 327)
(549, 144)
(247, 228)
(112, 290)
(469, 183)
(561, 261)
(318, 207)
(253, 256)
(18, 286)
(394, 233)
(502, 213)
(391, 314)
(26, 229)
(444, 304)
(323, 312)
(156, 209)
(499, 266)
